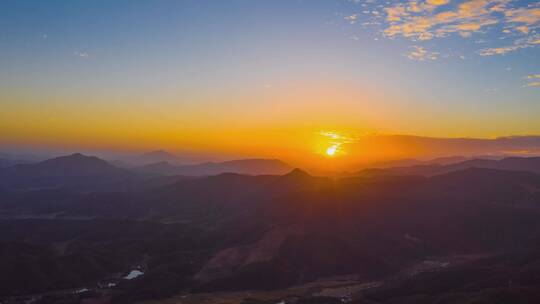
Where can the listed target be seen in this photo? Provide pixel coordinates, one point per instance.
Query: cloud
(420, 54)
(437, 2)
(352, 18)
(396, 13)
(533, 80)
(427, 147)
(517, 45)
(423, 22)
(533, 84)
(335, 140)
(524, 29)
(81, 54)
(513, 21)
(530, 16)
(499, 50)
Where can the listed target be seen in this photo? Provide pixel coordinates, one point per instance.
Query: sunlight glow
(331, 151)
(334, 142)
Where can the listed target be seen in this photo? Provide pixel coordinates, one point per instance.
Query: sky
(285, 79)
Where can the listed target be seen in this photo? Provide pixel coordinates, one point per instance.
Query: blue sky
(204, 36)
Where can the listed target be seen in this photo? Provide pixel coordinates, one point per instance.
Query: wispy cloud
(513, 21)
(336, 140)
(423, 21)
(81, 54)
(516, 45)
(420, 53)
(500, 50)
(351, 18)
(437, 2)
(533, 80)
(529, 15)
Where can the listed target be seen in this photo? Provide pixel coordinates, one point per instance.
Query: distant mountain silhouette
(159, 155)
(298, 180)
(416, 162)
(150, 158)
(241, 166)
(159, 168)
(72, 170)
(4, 163)
(297, 173)
(9, 159)
(530, 164)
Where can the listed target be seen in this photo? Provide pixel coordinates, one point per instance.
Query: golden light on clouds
(334, 142)
(419, 21)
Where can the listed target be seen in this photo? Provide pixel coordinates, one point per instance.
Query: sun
(333, 144)
(331, 151)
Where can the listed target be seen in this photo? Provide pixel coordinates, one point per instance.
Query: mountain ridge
(250, 166)
(531, 164)
(73, 170)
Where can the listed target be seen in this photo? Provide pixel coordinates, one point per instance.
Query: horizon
(459, 149)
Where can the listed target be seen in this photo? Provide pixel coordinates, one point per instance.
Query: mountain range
(149, 158)
(234, 232)
(531, 164)
(89, 172)
(242, 166)
(66, 171)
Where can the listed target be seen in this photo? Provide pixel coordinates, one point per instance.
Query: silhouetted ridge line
(530, 164)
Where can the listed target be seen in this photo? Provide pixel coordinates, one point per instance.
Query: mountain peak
(158, 153)
(76, 159)
(155, 157)
(297, 172)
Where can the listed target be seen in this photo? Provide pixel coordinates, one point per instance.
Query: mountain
(4, 162)
(158, 168)
(242, 166)
(531, 164)
(415, 162)
(447, 160)
(158, 156)
(356, 226)
(242, 232)
(10, 159)
(66, 171)
(150, 157)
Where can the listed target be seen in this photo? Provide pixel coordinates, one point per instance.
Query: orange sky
(284, 121)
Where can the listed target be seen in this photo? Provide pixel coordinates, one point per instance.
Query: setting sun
(331, 151)
(334, 142)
